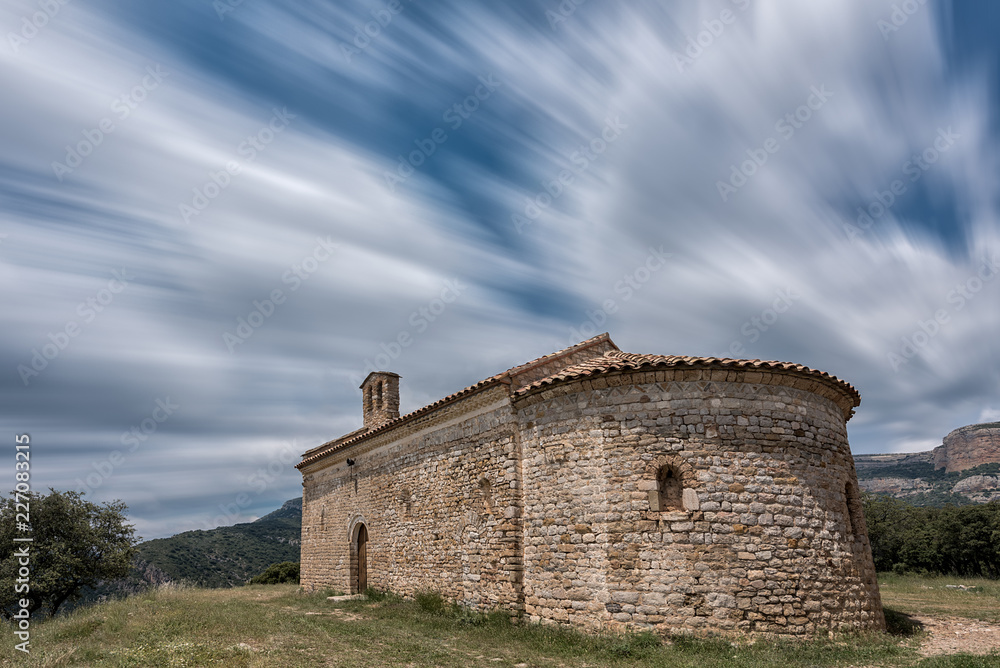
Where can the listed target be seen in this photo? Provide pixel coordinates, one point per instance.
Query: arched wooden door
(362, 575)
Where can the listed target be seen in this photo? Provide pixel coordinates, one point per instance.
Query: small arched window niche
(667, 484)
(669, 491)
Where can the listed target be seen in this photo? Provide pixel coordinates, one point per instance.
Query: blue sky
(215, 217)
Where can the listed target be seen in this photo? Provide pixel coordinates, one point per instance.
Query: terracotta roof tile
(617, 360)
(503, 377)
(612, 360)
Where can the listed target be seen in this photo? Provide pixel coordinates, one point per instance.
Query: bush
(377, 595)
(431, 601)
(634, 645)
(285, 572)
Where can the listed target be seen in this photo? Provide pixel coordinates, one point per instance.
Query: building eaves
(617, 360)
(503, 378)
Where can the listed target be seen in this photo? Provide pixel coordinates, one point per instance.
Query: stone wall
(440, 498)
(967, 447)
(768, 534)
(380, 398)
(681, 499)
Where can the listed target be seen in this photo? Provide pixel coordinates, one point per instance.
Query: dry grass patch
(276, 625)
(941, 596)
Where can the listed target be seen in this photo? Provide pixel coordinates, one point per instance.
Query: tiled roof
(504, 377)
(612, 360)
(600, 338)
(617, 360)
(335, 442)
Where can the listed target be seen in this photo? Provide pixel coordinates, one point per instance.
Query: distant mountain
(964, 469)
(226, 556)
(917, 481)
(223, 557)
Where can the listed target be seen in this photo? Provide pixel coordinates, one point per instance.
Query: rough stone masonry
(605, 489)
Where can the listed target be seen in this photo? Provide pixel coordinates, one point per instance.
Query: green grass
(928, 595)
(960, 661)
(276, 625)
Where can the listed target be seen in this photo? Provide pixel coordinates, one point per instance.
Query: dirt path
(951, 635)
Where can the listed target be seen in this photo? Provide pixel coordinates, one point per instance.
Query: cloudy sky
(216, 217)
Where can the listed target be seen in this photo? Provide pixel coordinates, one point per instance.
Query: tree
(286, 571)
(967, 544)
(75, 544)
(889, 522)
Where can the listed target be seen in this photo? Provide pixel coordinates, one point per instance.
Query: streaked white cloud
(322, 177)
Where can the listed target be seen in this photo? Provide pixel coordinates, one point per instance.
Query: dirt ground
(951, 635)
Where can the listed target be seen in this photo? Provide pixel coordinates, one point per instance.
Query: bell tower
(380, 398)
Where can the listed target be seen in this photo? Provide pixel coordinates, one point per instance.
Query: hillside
(223, 557)
(226, 556)
(964, 469)
(919, 483)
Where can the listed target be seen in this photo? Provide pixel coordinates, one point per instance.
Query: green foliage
(377, 595)
(951, 540)
(227, 556)
(923, 470)
(941, 483)
(431, 601)
(76, 544)
(284, 573)
(634, 645)
(938, 499)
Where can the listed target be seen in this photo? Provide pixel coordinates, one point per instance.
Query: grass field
(933, 596)
(275, 625)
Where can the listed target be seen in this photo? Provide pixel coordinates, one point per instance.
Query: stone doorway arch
(359, 558)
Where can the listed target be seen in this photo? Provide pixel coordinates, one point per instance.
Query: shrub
(377, 595)
(431, 601)
(634, 645)
(285, 572)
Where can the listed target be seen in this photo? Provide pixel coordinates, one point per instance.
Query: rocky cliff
(965, 468)
(967, 447)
